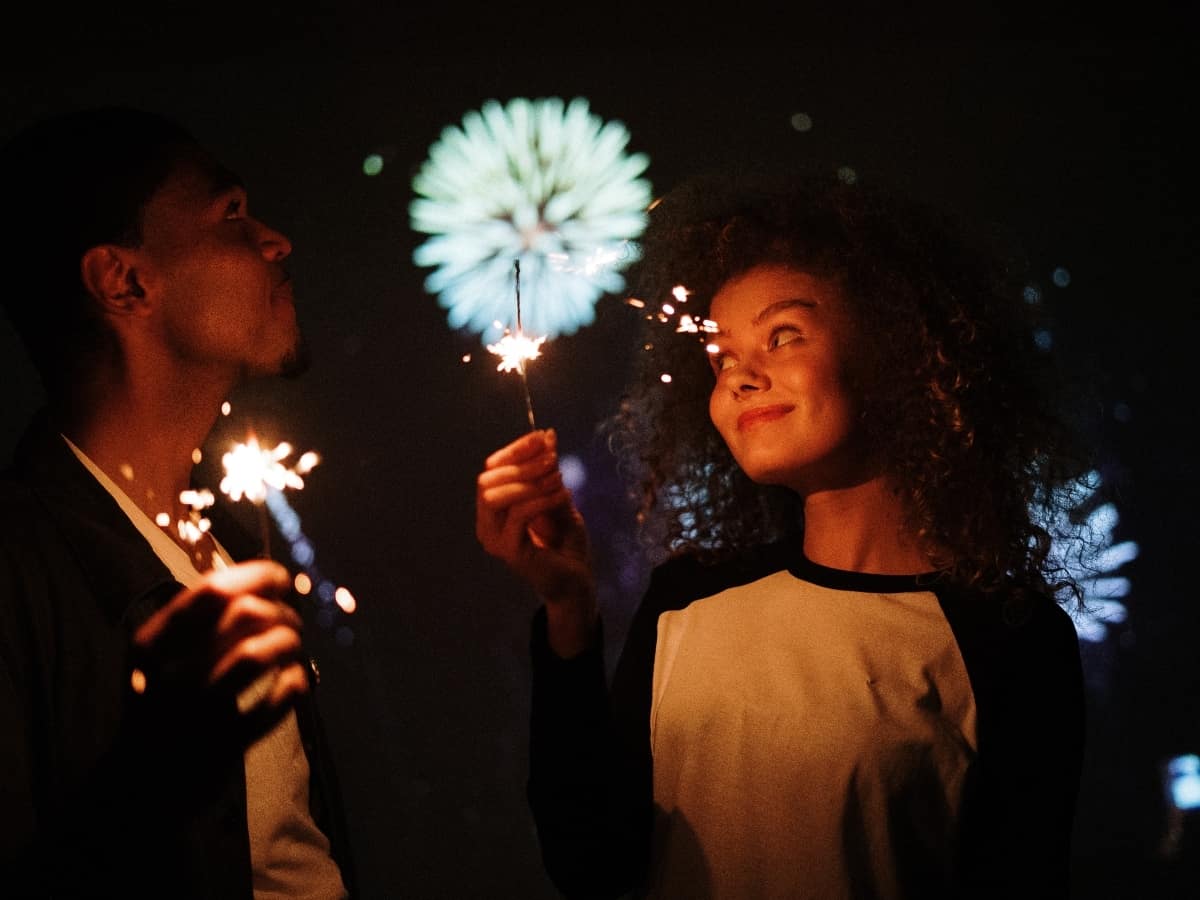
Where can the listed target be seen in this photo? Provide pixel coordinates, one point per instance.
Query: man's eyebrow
(780, 305)
(222, 180)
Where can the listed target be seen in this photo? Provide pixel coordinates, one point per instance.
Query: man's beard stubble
(298, 359)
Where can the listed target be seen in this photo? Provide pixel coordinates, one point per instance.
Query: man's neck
(145, 440)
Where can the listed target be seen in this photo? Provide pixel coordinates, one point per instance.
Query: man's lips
(762, 414)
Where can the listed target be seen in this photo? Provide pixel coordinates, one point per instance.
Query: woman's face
(781, 400)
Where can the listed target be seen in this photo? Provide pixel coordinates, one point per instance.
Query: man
(158, 735)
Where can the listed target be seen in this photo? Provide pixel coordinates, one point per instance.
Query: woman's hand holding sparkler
(524, 516)
(212, 641)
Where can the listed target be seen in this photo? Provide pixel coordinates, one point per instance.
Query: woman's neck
(862, 528)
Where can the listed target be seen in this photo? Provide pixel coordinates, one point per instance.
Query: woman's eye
(785, 334)
(235, 209)
(720, 362)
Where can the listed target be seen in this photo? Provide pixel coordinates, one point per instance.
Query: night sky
(1070, 135)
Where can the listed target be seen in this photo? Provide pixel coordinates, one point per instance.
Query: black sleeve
(589, 790)
(92, 775)
(1028, 682)
(591, 786)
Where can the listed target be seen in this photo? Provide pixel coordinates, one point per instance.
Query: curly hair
(956, 395)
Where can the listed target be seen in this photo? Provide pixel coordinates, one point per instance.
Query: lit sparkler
(517, 349)
(252, 471)
(260, 475)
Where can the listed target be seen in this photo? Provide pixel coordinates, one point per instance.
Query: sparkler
(259, 475)
(253, 472)
(684, 324)
(515, 350)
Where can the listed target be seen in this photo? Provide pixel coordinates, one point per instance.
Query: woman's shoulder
(693, 575)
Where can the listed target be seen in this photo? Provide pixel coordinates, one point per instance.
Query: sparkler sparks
(259, 475)
(685, 323)
(251, 470)
(515, 350)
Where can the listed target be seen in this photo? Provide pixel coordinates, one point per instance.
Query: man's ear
(111, 279)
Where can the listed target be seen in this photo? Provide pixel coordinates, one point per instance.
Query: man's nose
(275, 244)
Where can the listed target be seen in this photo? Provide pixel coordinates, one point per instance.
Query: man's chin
(297, 360)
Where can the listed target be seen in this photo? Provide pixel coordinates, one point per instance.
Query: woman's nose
(751, 378)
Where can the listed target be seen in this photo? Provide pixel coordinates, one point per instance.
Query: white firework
(539, 181)
(1089, 553)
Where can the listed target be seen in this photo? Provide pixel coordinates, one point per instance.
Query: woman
(850, 676)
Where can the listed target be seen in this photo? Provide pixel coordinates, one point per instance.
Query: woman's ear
(110, 278)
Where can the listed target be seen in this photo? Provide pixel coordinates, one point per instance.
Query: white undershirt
(289, 854)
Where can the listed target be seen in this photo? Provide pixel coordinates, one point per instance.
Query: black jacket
(102, 791)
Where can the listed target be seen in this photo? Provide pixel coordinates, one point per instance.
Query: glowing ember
(515, 350)
(345, 600)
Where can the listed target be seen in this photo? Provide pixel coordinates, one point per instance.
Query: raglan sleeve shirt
(974, 704)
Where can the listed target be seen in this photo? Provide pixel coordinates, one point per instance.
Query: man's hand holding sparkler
(212, 641)
(524, 516)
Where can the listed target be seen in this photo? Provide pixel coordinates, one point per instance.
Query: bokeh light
(802, 122)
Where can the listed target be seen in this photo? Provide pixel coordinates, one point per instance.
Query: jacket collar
(129, 579)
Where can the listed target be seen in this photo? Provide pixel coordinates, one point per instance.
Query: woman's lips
(752, 417)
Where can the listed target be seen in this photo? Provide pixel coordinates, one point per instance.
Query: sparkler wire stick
(521, 369)
(265, 528)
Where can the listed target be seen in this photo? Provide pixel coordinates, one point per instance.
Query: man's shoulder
(20, 506)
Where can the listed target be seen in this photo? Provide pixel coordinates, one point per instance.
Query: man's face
(215, 276)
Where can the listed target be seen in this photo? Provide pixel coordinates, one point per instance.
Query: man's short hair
(69, 183)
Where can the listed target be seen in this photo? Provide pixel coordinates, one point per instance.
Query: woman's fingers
(523, 449)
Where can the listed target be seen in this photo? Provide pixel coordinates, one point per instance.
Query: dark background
(1067, 131)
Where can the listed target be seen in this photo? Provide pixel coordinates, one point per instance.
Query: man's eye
(784, 334)
(235, 209)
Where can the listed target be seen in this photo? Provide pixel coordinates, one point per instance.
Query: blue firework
(540, 181)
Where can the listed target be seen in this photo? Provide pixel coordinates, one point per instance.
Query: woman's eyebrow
(780, 305)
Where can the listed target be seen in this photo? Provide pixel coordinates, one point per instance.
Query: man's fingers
(245, 615)
(196, 610)
(263, 577)
(250, 657)
(289, 683)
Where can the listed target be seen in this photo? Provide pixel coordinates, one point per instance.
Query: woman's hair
(956, 395)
